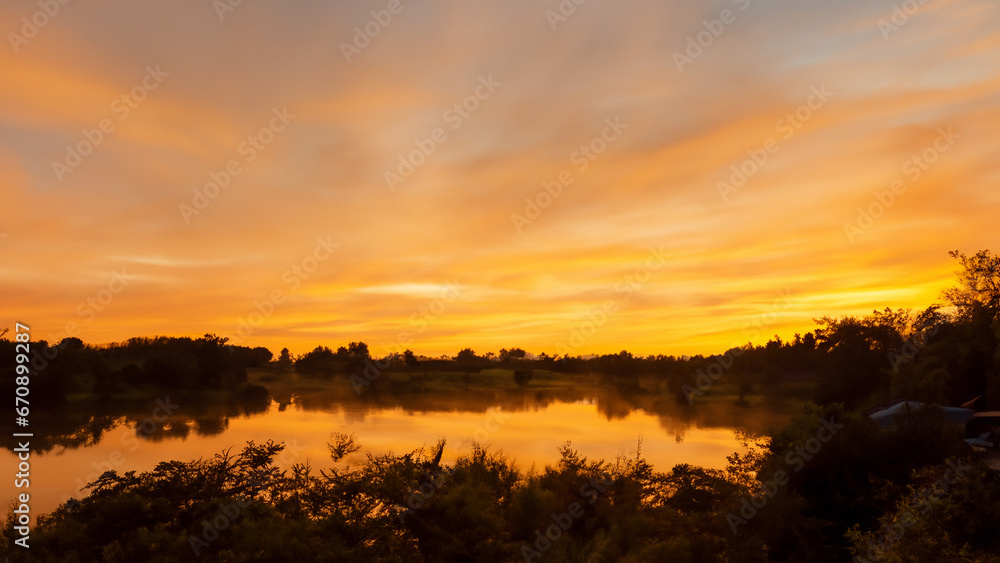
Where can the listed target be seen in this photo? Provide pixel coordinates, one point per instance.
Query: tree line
(829, 486)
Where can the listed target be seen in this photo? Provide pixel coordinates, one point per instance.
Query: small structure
(887, 414)
(983, 429)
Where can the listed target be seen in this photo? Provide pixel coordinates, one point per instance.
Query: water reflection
(611, 403)
(85, 424)
(76, 445)
(82, 424)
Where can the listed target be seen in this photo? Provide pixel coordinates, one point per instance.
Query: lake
(74, 446)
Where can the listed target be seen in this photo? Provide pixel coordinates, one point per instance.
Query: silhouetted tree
(978, 284)
(358, 350)
(857, 354)
(466, 355)
(410, 359)
(319, 361)
(284, 360)
(506, 356)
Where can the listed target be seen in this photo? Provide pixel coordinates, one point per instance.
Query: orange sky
(642, 248)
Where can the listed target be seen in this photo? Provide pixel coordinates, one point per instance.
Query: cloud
(655, 185)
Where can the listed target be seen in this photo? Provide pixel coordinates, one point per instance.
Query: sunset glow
(661, 177)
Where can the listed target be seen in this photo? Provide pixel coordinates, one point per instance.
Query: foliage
(827, 486)
(944, 516)
(978, 288)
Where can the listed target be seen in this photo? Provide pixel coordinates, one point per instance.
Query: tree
(73, 344)
(857, 351)
(358, 350)
(410, 359)
(512, 354)
(466, 355)
(978, 285)
(284, 360)
(211, 358)
(938, 520)
(319, 361)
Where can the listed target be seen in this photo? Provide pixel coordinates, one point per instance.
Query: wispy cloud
(654, 186)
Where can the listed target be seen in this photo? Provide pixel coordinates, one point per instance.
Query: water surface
(73, 447)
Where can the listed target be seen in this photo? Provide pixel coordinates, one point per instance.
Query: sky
(663, 177)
